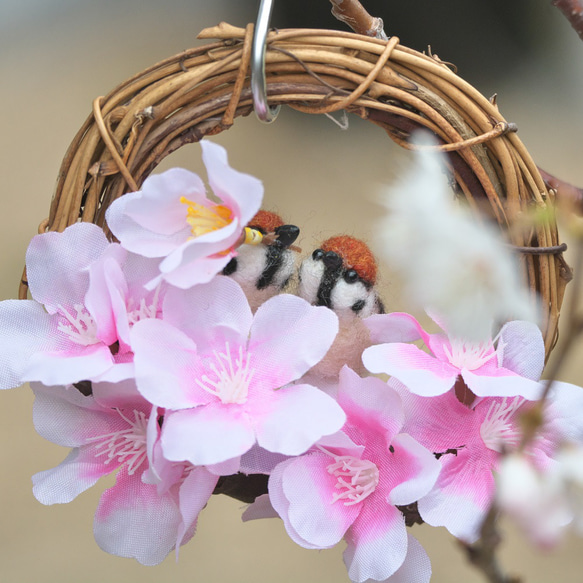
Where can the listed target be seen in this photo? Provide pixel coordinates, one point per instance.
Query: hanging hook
(258, 84)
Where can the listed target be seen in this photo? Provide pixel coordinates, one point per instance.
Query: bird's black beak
(287, 234)
(332, 260)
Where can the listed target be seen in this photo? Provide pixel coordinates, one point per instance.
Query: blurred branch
(567, 195)
(482, 554)
(352, 13)
(573, 11)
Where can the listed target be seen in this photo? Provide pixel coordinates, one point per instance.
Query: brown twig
(352, 13)
(567, 194)
(573, 11)
(482, 554)
(534, 418)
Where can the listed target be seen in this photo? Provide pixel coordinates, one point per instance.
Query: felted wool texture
(355, 255)
(266, 221)
(352, 339)
(251, 261)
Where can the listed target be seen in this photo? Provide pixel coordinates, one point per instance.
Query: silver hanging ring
(264, 113)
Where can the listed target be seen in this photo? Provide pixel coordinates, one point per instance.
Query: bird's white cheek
(310, 276)
(353, 298)
(250, 265)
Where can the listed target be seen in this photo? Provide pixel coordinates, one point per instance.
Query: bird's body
(340, 275)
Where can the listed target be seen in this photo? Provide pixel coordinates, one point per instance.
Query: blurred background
(56, 56)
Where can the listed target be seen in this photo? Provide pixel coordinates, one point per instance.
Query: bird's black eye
(350, 276)
(358, 306)
(317, 254)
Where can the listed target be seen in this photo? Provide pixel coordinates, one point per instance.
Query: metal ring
(258, 83)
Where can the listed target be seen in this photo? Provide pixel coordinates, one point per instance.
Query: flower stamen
(469, 355)
(81, 328)
(127, 446)
(233, 379)
(356, 478)
(497, 429)
(203, 219)
(143, 311)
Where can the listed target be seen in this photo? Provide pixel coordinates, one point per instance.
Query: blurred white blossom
(533, 498)
(450, 263)
(543, 501)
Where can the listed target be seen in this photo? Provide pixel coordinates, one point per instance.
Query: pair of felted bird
(340, 275)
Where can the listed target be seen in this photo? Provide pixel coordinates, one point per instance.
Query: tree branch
(567, 195)
(573, 11)
(482, 554)
(352, 13)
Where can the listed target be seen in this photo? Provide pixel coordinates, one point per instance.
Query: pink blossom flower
(510, 368)
(87, 294)
(134, 518)
(171, 217)
(350, 484)
(224, 375)
(470, 442)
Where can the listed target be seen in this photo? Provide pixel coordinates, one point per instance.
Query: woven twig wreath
(201, 91)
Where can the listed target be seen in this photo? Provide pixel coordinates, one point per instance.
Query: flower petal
(377, 542)
(416, 567)
(295, 418)
(310, 488)
(158, 208)
(76, 473)
(56, 264)
(26, 330)
(194, 493)
(212, 313)
(372, 400)
(133, 521)
(462, 495)
(166, 363)
(261, 508)
(206, 435)
(521, 349)
(281, 504)
(394, 327)
(289, 336)
(197, 262)
(418, 371)
(241, 192)
(504, 384)
(66, 368)
(66, 417)
(417, 468)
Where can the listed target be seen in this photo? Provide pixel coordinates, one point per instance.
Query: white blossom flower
(450, 263)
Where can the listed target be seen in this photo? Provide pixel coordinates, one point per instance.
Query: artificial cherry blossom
(134, 518)
(87, 293)
(510, 368)
(172, 218)
(470, 442)
(224, 375)
(350, 484)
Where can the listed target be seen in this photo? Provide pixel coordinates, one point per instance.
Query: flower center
(143, 311)
(80, 328)
(356, 478)
(204, 219)
(497, 429)
(127, 446)
(231, 384)
(469, 355)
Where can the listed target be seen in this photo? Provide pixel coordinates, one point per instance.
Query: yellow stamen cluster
(204, 219)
